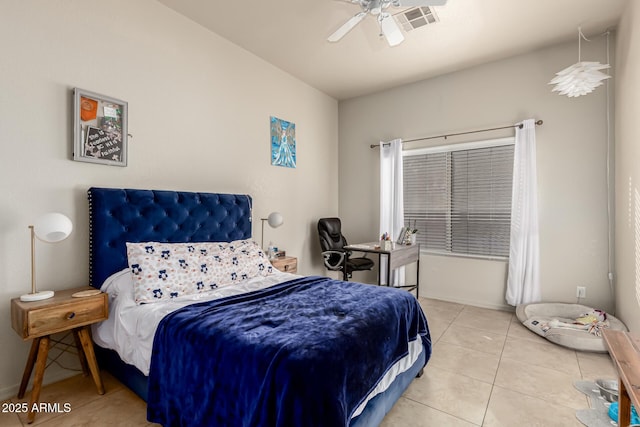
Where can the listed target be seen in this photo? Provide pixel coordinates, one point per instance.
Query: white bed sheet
(130, 328)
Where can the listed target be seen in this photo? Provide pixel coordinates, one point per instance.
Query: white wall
(199, 111)
(571, 153)
(628, 168)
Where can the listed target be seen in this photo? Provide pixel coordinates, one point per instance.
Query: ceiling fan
(388, 26)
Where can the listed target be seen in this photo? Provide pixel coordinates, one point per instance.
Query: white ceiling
(291, 34)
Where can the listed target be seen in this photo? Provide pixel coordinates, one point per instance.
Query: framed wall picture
(283, 143)
(99, 128)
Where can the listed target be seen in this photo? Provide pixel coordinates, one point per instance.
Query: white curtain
(523, 282)
(391, 201)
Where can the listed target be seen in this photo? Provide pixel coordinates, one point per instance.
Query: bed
(270, 348)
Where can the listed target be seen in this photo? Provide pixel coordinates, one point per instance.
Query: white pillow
(162, 271)
(118, 283)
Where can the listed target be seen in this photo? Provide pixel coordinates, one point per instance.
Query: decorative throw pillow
(242, 260)
(162, 271)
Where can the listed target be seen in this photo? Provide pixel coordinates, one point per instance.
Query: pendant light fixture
(580, 78)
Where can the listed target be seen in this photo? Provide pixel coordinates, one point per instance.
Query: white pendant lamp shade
(52, 227)
(580, 78)
(275, 219)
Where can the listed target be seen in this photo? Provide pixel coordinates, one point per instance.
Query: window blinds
(426, 198)
(460, 199)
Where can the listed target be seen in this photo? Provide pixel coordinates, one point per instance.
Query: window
(459, 197)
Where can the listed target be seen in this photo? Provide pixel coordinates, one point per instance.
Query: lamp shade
(579, 79)
(275, 219)
(582, 77)
(52, 227)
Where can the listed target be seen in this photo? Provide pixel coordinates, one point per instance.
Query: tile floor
(486, 370)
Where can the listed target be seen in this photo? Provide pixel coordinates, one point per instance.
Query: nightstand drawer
(287, 264)
(52, 318)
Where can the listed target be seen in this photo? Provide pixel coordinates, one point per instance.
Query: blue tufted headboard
(117, 216)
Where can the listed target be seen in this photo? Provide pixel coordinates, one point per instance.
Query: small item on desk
(408, 235)
(385, 242)
(271, 251)
(280, 254)
(413, 238)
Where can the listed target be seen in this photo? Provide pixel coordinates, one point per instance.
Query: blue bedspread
(301, 353)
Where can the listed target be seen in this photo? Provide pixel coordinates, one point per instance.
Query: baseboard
(480, 304)
(12, 391)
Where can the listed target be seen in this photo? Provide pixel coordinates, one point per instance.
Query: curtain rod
(538, 122)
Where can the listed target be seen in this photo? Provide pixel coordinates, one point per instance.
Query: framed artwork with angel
(283, 143)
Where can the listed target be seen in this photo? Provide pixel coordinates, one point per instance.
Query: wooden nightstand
(286, 264)
(37, 320)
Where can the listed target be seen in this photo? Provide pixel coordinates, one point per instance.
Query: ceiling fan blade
(346, 27)
(418, 3)
(390, 29)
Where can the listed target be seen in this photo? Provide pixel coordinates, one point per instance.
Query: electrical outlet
(581, 292)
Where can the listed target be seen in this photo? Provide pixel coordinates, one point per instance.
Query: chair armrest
(327, 256)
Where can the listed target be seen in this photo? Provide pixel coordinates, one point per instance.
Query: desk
(397, 257)
(624, 349)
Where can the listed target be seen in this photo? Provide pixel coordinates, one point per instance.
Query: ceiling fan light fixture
(388, 26)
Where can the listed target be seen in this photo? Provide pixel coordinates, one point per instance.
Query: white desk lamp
(274, 220)
(52, 228)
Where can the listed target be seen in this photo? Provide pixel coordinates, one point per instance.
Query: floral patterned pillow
(162, 271)
(242, 260)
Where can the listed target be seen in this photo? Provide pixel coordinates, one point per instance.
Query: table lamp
(274, 220)
(52, 228)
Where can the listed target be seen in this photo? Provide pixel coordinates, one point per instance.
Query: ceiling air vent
(417, 17)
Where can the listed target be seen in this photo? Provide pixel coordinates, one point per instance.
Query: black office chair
(332, 243)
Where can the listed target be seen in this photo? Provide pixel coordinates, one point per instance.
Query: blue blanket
(301, 353)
